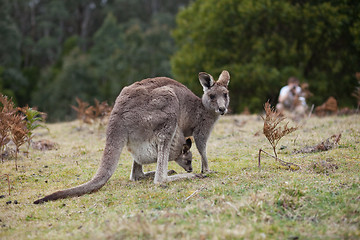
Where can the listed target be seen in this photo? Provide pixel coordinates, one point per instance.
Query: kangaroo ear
(187, 145)
(224, 78)
(206, 80)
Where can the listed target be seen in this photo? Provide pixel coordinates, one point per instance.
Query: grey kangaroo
(153, 117)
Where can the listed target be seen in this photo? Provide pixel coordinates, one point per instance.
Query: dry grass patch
(319, 201)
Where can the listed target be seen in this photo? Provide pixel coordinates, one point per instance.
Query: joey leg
(136, 172)
(161, 175)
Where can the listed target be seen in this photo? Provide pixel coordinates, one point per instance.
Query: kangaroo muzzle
(222, 110)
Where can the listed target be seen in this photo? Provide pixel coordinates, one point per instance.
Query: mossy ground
(239, 201)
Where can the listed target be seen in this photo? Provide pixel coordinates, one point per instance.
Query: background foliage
(52, 50)
(264, 42)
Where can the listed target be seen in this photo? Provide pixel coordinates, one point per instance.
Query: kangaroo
(150, 117)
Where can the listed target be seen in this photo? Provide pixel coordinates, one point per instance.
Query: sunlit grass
(239, 201)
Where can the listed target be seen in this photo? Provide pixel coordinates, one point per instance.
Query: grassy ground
(320, 201)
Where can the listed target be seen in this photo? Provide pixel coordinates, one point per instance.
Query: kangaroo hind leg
(161, 174)
(138, 174)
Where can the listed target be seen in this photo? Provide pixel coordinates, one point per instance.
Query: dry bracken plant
(4, 133)
(101, 109)
(14, 125)
(6, 112)
(356, 92)
(19, 133)
(80, 109)
(89, 114)
(330, 107)
(274, 131)
(325, 145)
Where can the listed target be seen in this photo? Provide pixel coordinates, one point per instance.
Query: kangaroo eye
(188, 162)
(212, 96)
(225, 95)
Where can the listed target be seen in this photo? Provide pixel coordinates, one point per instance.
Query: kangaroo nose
(190, 170)
(222, 110)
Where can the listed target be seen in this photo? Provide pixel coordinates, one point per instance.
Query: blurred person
(291, 98)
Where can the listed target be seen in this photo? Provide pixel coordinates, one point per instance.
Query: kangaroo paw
(200, 175)
(208, 172)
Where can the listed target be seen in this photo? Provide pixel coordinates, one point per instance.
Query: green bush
(262, 43)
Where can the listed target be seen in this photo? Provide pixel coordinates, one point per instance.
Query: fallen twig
(8, 180)
(325, 145)
(311, 110)
(193, 194)
(290, 165)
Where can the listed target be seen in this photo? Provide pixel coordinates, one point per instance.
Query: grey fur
(153, 117)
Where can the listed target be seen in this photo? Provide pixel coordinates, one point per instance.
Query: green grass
(237, 202)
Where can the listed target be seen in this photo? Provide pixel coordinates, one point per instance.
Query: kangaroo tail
(115, 142)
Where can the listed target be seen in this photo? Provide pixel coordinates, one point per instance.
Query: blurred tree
(262, 43)
(10, 39)
(109, 43)
(104, 53)
(12, 81)
(121, 54)
(142, 10)
(74, 79)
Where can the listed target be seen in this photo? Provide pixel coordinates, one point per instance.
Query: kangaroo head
(216, 94)
(185, 158)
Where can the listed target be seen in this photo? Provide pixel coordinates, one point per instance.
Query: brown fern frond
(19, 132)
(90, 115)
(6, 112)
(356, 92)
(101, 109)
(97, 108)
(7, 104)
(272, 129)
(81, 110)
(82, 105)
(357, 75)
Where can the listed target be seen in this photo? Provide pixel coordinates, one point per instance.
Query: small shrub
(81, 110)
(33, 121)
(6, 112)
(17, 124)
(89, 114)
(356, 92)
(101, 110)
(273, 131)
(19, 133)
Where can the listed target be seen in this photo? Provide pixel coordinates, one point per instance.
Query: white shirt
(286, 91)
